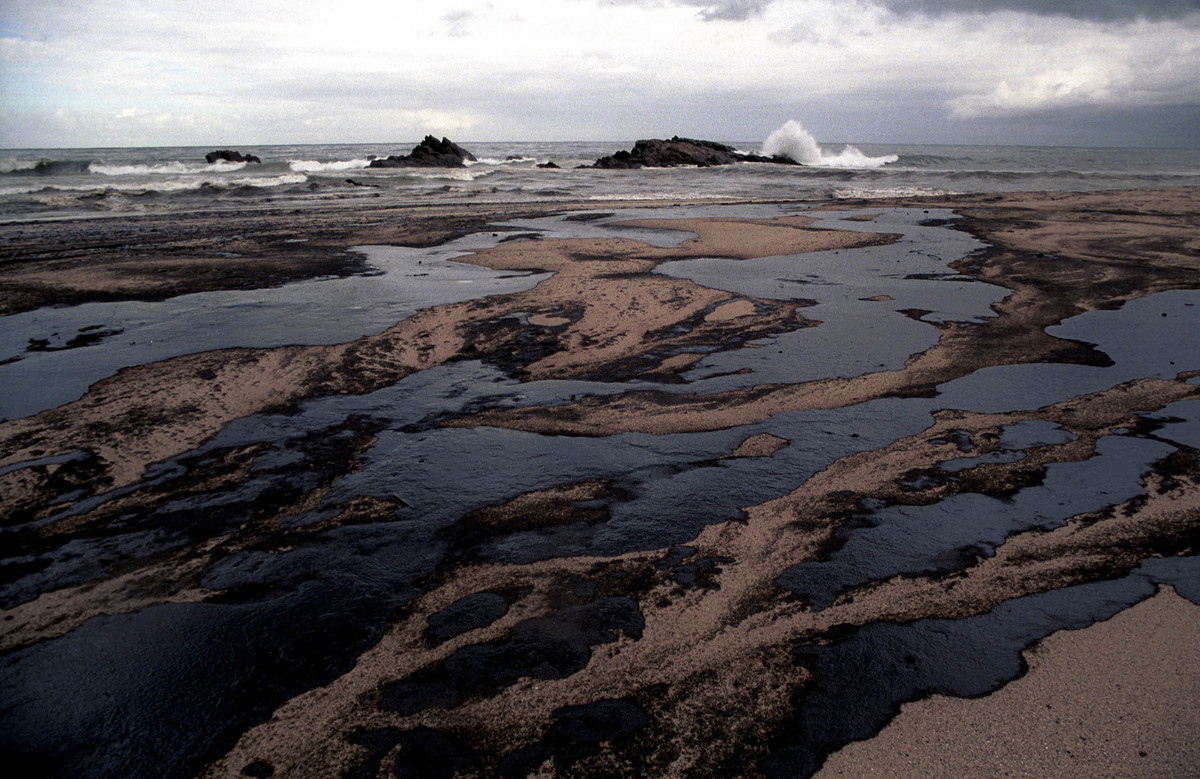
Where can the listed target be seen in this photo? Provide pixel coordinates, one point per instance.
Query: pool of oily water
(160, 690)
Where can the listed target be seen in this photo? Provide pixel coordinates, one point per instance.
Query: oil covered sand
(717, 491)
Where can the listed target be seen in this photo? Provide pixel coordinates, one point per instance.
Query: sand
(681, 656)
(1115, 699)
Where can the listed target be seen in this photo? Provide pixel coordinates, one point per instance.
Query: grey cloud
(723, 10)
(1100, 10)
(729, 10)
(797, 33)
(458, 23)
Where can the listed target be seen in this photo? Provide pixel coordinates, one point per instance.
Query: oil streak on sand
(707, 490)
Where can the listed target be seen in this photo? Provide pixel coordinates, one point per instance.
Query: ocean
(54, 183)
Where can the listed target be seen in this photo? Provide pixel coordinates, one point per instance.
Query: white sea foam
(498, 161)
(313, 166)
(225, 166)
(889, 192)
(174, 168)
(13, 164)
(672, 196)
(23, 189)
(270, 181)
(794, 142)
(163, 169)
(454, 174)
(165, 186)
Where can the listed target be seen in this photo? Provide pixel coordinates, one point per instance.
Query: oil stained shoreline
(285, 615)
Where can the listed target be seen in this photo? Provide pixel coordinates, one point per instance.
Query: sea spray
(794, 142)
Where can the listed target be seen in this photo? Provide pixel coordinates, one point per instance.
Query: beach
(1113, 700)
(689, 487)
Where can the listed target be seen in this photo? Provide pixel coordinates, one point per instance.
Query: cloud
(1089, 65)
(723, 10)
(458, 22)
(1051, 90)
(1102, 10)
(729, 10)
(369, 70)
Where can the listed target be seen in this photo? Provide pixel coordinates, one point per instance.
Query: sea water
(47, 183)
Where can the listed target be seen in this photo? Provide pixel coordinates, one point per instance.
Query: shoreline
(195, 250)
(202, 250)
(592, 359)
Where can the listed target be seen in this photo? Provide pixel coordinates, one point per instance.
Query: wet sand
(248, 488)
(154, 256)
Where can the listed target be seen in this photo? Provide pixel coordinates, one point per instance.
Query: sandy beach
(1112, 700)
(632, 519)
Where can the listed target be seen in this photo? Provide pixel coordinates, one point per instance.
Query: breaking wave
(15, 165)
(794, 142)
(43, 167)
(314, 166)
(163, 169)
(510, 160)
(165, 187)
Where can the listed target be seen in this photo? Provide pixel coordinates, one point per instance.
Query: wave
(260, 182)
(313, 166)
(14, 165)
(163, 187)
(879, 193)
(454, 174)
(162, 169)
(512, 160)
(794, 142)
(177, 168)
(929, 160)
(1050, 175)
(43, 167)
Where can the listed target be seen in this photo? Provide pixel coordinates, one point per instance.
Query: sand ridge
(729, 647)
(617, 314)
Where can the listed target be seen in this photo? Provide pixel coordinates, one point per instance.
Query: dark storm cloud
(1100, 10)
(1097, 10)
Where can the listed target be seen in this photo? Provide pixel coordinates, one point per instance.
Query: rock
(550, 164)
(429, 153)
(230, 156)
(775, 159)
(656, 153)
(664, 154)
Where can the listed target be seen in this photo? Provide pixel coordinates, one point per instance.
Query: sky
(217, 72)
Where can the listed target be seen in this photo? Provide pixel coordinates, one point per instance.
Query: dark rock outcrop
(677, 151)
(429, 153)
(551, 164)
(230, 156)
